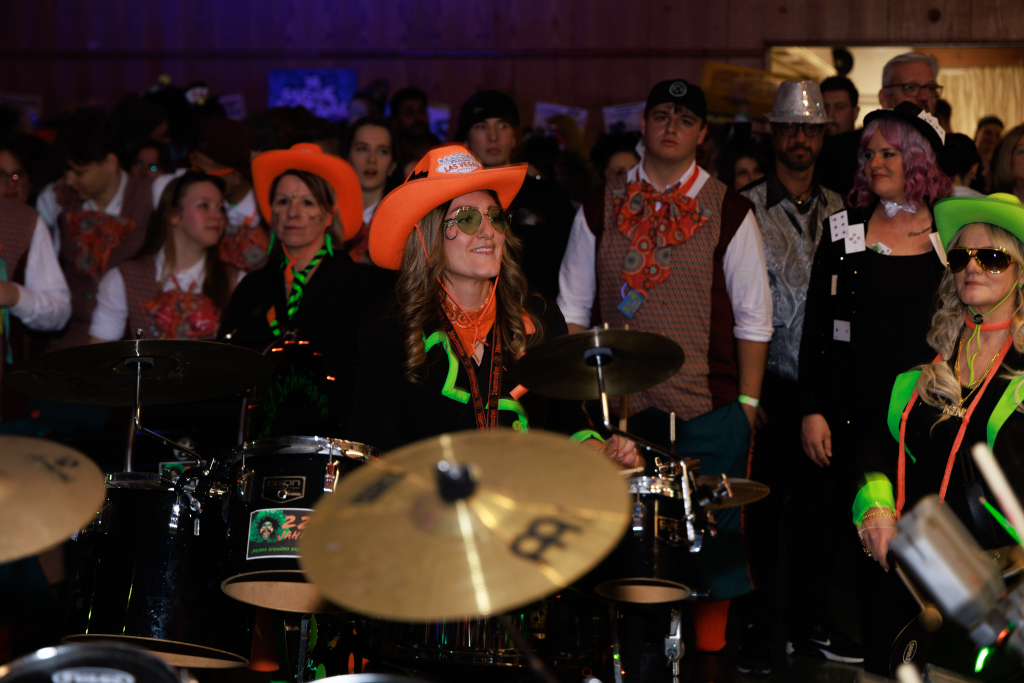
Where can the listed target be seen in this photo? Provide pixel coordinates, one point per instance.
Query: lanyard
(490, 423)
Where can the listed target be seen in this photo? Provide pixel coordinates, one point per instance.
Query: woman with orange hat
(309, 297)
(442, 362)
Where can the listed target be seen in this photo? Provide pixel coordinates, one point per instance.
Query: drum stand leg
(531, 654)
(674, 648)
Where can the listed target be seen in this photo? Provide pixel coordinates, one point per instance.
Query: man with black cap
(669, 249)
(412, 126)
(542, 213)
(226, 150)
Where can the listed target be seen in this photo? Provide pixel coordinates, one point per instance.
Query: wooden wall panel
(930, 21)
(996, 20)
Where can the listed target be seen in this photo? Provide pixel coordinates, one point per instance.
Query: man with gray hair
(910, 77)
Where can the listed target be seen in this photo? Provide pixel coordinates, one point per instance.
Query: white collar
(196, 273)
(638, 172)
(116, 204)
(245, 208)
(369, 211)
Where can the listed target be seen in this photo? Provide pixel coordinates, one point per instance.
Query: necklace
(959, 410)
(892, 208)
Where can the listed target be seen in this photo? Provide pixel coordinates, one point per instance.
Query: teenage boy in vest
(671, 250)
(97, 213)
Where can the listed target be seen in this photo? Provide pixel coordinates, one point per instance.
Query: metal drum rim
(236, 661)
(130, 480)
(669, 488)
(325, 445)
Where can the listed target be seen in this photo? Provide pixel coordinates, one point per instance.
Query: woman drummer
(309, 299)
(444, 361)
(970, 393)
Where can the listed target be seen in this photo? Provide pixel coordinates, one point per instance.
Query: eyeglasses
(13, 178)
(467, 219)
(912, 89)
(811, 130)
(990, 259)
(148, 167)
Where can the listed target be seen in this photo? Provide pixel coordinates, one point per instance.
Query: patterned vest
(17, 225)
(141, 288)
(691, 307)
(81, 269)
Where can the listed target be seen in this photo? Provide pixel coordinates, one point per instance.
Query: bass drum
(148, 573)
(651, 562)
(276, 483)
(107, 663)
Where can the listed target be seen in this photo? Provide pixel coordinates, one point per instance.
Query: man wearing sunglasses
(790, 207)
(704, 284)
(910, 77)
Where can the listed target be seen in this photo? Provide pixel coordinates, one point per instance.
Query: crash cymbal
(181, 371)
(744, 492)
(47, 492)
(386, 543)
(564, 367)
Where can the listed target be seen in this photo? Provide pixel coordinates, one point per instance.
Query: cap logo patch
(934, 123)
(457, 163)
(677, 89)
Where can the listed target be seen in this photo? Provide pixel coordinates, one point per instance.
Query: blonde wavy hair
(938, 386)
(419, 292)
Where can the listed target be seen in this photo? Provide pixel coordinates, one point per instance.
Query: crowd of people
(802, 270)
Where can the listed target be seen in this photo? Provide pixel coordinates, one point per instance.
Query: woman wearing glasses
(442, 362)
(969, 393)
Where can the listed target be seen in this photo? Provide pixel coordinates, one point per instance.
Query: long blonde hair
(419, 291)
(938, 385)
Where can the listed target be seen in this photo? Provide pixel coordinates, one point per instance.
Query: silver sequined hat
(798, 102)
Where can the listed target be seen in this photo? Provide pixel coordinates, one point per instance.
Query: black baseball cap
(678, 91)
(487, 104)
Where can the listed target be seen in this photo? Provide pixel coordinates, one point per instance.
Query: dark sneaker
(824, 641)
(754, 654)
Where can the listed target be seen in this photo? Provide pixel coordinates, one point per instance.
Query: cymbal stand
(674, 647)
(672, 464)
(535, 662)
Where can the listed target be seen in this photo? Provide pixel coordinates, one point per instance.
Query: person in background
(542, 213)
(708, 290)
(613, 155)
(226, 151)
(790, 207)
(138, 117)
(176, 287)
(148, 158)
(963, 160)
(944, 112)
(20, 157)
(371, 151)
(326, 135)
(97, 212)
(743, 164)
(987, 135)
(837, 163)
(1008, 163)
(411, 124)
(910, 77)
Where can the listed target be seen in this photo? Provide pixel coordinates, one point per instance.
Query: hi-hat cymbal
(181, 371)
(564, 367)
(744, 492)
(386, 543)
(47, 492)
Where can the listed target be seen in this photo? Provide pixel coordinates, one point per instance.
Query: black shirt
(542, 218)
(837, 164)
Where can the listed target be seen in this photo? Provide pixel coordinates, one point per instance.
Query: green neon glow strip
(876, 493)
(1003, 522)
(584, 434)
(981, 655)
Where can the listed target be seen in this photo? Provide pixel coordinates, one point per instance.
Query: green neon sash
(876, 493)
(902, 389)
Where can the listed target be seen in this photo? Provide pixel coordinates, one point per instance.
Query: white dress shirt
(369, 211)
(244, 210)
(746, 274)
(44, 301)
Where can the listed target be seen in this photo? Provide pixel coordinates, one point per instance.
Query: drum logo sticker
(284, 489)
(276, 532)
(91, 675)
(542, 533)
(908, 654)
(670, 531)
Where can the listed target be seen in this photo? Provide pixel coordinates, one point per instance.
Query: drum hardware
(718, 493)
(674, 647)
(106, 663)
(519, 534)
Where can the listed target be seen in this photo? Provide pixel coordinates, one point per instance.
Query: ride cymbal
(565, 367)
(743, 492)
(181, 371)
(47, 492)
(395, 540)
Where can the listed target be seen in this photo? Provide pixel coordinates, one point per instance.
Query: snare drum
(652, 560)
(276, 483)
(148, 573)
(106, 663)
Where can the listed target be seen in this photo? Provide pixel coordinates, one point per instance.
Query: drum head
(285, 590)
(90, 663)
(371, 678)
(172, 652)
(307, 445)
(645, 591)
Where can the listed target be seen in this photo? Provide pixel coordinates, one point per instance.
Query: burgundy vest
(691, 307)
(17, 225)
(137, 207)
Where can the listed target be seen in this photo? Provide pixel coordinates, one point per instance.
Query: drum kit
(472, 549)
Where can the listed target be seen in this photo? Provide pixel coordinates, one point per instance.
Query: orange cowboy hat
(446, 172)
(308, 157)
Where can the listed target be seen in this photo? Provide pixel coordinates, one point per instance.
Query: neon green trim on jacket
(902, 390)
(461, 395)
(584, 434)
(876, 493)
(1002, 412)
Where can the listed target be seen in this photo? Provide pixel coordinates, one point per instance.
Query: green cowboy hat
(1000, 209)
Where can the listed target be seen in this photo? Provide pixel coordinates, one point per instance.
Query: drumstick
(635, 470)
(997, 482)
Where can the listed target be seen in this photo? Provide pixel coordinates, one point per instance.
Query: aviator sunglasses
(467, 219)
(990, 259)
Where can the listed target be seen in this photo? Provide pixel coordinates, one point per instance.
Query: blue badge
(631, 302)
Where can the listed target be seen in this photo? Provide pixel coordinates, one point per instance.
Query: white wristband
(752, 402)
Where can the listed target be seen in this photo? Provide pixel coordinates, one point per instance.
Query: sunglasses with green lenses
(990, 259)
(467, 219)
